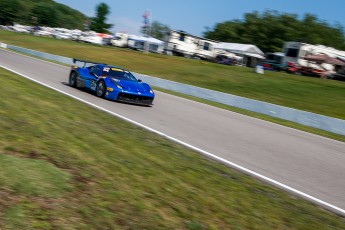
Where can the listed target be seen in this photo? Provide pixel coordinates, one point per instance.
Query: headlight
(151, 91)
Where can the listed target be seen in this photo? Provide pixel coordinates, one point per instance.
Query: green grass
(32, 177)
(109, 174)
(310, 94)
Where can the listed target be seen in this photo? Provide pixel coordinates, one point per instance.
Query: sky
(193, 16)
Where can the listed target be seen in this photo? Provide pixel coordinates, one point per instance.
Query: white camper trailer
(138, 42)
(296, 51)
(95, 38)
(183, 44)
(90, 37)
(120, 40)
(19, 28)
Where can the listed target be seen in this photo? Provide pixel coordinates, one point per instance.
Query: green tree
(69, 18)
(157, 30)
(43, 12)
(225, 31)
(270, 29)
(98, 23)
(46, 15)
(9, 11)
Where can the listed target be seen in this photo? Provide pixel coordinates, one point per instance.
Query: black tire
(73, 79)
(100, 89)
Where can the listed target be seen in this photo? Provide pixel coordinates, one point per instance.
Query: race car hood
(134, 86)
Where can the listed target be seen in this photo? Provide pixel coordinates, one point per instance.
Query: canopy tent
(225, 53)
(243, 49)
(250, 54)
(150, 40)
(145, 43)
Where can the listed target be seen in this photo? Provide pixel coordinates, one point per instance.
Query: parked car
(43, 33)
(62, 35)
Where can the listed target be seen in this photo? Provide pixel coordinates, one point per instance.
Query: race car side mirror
(139, 80)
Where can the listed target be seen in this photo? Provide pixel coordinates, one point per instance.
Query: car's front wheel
(73, 79)
(100, 90)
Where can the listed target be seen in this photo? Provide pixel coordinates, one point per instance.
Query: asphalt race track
(308, 164)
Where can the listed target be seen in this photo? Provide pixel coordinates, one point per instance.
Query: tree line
(40, 12)
(52, 14)
(270, 29)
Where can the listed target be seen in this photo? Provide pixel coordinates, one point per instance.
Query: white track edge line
(234, 165)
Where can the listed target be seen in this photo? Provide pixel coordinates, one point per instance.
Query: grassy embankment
(64, 165)
(310, 94)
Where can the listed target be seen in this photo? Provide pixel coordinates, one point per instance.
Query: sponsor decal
(110, 89)
(106, 69)
(116, 69)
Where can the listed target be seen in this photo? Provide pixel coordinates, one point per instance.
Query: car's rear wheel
(100, 89)
(73, 79)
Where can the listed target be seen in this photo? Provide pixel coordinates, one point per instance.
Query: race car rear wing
(86, 62)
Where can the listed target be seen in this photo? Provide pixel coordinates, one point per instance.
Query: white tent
(251, 55)
(145, 39)
(145, 43)
(243, 49)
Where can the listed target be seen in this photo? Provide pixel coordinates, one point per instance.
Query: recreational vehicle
(95, 38)
(120, 40)
(181, 43)
(135, 42)
(297, 51)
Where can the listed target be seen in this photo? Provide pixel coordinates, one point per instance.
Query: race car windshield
(118, 74)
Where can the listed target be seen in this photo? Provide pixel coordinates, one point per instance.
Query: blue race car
(111, 82)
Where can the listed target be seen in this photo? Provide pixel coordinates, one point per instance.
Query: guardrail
(330, 124)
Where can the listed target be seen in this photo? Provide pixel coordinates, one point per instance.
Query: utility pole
(147, 29)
